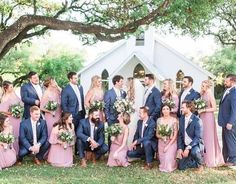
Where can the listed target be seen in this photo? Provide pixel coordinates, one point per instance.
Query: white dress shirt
(118, 92)
(92, 126)
(143, 127)
(187, 139)
(34, 129)
(147, 93)
(184, 94)
(38, 90)
(77, 92)
(227, 91)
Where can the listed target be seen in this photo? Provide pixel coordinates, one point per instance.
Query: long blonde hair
(130, 90)
(209, 84)
(172, 88)
(94, 80)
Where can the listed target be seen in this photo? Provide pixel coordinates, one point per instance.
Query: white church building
(136, 57)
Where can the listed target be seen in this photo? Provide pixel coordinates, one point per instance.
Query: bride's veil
(139, 94)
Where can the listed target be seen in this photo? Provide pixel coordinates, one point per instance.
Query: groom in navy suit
(90, 135)
(152, 97)
(145, 143)
(72, 99)
(227, 120)
(188, 93)
(111, 96)
(189, 141)
(31, 93)
(33, 137)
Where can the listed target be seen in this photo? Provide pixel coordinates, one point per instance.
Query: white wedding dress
(138, 102)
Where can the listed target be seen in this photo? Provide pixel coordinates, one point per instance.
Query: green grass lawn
(100, 173)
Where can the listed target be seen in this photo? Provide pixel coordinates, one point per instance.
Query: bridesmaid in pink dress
(95, 93)
(7, 152)
(52, 93)
(10, 98)
(119, 148)
(167, 146)
(169, 92)
(213, 156)
(61, 153)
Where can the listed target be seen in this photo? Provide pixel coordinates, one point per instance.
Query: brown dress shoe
(37, 162)
(83, 163)
(148, 166)
(199, 169)
(228, 164)
(18, 163)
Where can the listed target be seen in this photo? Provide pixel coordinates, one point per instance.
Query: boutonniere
(146, 125)
(38, 123)
(227, 92)
(96, 127)
(188, 93)
(190, 120)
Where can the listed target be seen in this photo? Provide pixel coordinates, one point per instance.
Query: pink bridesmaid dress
(213, 156)
(7, 156)
(122, 159)
(58, 156)
(50, 119)
(15, 122)
(168, 159)
(99, 97)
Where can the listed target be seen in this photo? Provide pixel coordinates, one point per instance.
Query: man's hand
(179, 154)
(229, 126)
(133, 146)
(185, 153)
(93, 144)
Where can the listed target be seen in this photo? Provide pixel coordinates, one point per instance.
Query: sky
(189, 47)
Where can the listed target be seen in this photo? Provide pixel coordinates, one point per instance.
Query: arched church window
(139, 71)
(179, 79)
(105, 79)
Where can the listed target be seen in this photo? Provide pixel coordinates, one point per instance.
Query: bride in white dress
(135, 93)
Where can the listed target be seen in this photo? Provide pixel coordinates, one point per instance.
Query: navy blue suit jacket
(153, 102)
(227, 109)
(26, 139)
(149, 133)
(69, 100)
(109, 99)
(83, 132)
(191, 96)
(28, 96)
(194, 131)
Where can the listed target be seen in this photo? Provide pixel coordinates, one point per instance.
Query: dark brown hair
(232, 77)
(190, 79)
(71, 74)
(31, 73)
(6, 85)
(150, 76)
(116, 79)
(164, 105)
(126, 118)
(3, 117)
(62, 122)
(145, 109)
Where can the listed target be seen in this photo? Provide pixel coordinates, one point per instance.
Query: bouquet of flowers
(16, 110)
(6, 138)
(66, 137)
(169, 102)
(200, 104)
(123, 105)
(114, 130)
(51, 106)
(164, 131)
(98, 104)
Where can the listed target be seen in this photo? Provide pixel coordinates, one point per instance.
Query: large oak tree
(93, 20)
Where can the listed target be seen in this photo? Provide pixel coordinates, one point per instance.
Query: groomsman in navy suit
(189, 141)
(72, 100)
(31, 93)
(227, 120)
(188, 93)
(111, 96)
(33, 137)
(145, 143)
(90, 137)
(152, 97)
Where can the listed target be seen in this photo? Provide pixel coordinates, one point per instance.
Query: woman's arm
(88, 98)
(124, 142)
